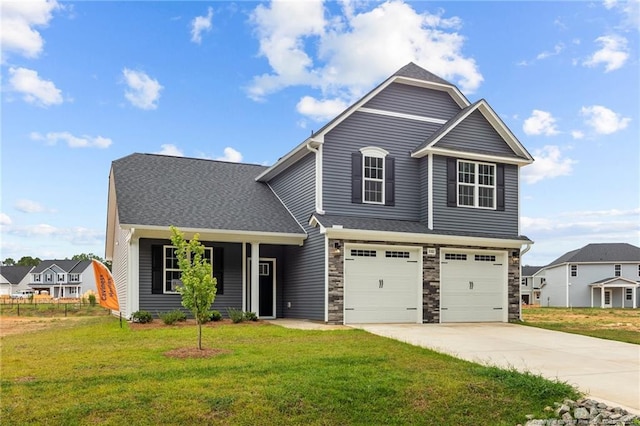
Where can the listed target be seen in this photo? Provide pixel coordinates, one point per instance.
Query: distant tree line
(35, 261)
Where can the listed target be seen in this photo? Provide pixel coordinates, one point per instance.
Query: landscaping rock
(586, 412)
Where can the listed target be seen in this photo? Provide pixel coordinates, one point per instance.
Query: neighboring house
(596, 275)
(13, 278)
(404, 208)
(63, 278)
(530, 285)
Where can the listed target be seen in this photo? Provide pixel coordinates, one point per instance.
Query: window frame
(165, 269)
(74, 278)
(617, 270)
(378, 154)
(573, 270)
(476, 185)
(628, 293)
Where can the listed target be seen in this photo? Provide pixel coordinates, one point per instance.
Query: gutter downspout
(522, 253)
(318, 197)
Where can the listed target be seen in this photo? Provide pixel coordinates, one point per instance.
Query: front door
(607, 299)
(267, 289)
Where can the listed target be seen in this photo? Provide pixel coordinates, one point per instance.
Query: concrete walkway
(605, 370)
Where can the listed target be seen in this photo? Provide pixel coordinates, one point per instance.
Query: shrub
(172, 317)
(236, 315)
(215, 315)
(92, 300)
(250, 316)
(141, 317)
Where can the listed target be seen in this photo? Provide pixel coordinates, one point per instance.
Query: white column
(244, 276)
(255, 278)
(633, 292)
(591, 294)
(602, 297)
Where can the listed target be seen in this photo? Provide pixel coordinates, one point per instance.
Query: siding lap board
(407, 99)
(398, 136)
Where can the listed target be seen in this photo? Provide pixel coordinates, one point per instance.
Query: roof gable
(512, 151)
(411, 74)
(14, 274)
(62, 265)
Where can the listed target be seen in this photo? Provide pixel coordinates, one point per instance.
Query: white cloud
(613, 54)
(18, 21)
(72, 141)
(540, 123)
(577, 134)
(34, 89)
(201, 24)
(549, 163)
(77, 235)
(170, 149)
(231, 155)
(320, 110)
(5, 219)
(630, 11)
(557, 49)
(29, 206)
(144, 91)
(603, 120)
(306, 45)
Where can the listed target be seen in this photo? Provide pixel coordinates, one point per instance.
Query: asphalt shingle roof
(412, 70)
(14, 274)
(601, 252)
(196, 193)
(390, 225)
(69, 266)
(528, 271)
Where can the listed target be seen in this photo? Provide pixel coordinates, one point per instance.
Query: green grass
(51, 309)
(622, 325)
(98, 373)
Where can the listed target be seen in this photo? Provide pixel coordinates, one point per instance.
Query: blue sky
(85, 83)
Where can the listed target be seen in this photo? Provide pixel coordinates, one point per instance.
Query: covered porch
(608, 289)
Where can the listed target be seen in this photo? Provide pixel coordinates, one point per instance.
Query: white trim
(244, 277)
(326, 278)
(221, 235)
(133, 298)
(430, 191)
(165, 269)
(402, 115)
(373, 152)
(473, 156)
(476, 185)
(254, 283)
(317, 177)
(285, 206)
(408, 237)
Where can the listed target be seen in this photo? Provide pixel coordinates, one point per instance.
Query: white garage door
(382, 285)
(473, 287)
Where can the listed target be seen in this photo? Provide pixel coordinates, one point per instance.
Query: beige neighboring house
(62, 278)
(14, 278)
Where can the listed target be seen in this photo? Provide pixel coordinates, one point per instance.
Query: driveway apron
(605, 370)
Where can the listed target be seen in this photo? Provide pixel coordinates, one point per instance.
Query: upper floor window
(60, 278)
(617, 270)
(74, 278)
(372, 174)
(37, 278)
(475, 184)
(48, 278)
(574, 270)
(524, 282)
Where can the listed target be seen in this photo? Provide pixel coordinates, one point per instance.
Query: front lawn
(98, 373)
(613, 324)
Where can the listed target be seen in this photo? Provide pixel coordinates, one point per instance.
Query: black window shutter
(156, 269)
(218, 269)
(356, 177)
(452, 183)
(500, 187)
(390, 181)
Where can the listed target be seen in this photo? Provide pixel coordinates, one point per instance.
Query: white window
(74, 278)
(48, 278)
(373, 174)
(524, 282)
(455, 256)
(172, 273)
(574, 270)
(476, 184)
(617, 269)
(60, 278)
(629, 293)
(37, 278)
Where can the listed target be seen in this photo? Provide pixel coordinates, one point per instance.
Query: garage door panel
(381, 285)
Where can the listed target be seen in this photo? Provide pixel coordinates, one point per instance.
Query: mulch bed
(157, 323)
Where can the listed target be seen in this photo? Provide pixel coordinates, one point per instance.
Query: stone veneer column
(430, 286)
(513, 285)
(336, 284)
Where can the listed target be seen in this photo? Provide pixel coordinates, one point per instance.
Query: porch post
(633, 292)
(602, 297)
(255, 277)
(244, 277)
(591, 294)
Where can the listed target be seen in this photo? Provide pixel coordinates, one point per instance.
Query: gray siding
(424, 189)
(232, 296)
(398, 136)
(303, 283)
(475, 134)
(472, 219)
(403, 98)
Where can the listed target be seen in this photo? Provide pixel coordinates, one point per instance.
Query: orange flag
(107, 294)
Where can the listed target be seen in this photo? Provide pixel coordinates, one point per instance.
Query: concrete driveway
(605, 370)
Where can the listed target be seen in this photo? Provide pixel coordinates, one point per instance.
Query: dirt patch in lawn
(19, 325)
(596, 319)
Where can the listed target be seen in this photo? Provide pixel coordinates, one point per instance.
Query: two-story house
(605, 275)
(63, 278)
(530, 284)
(13, 278)
(404, 208)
